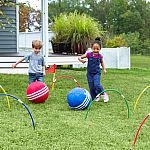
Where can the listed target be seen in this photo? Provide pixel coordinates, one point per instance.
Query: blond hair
(37, 44)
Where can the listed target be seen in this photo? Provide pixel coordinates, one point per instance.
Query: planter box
(78, 48)
(62, 47)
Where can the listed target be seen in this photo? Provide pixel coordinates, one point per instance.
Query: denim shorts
(36, 77)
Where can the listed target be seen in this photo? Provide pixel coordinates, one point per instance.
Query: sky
(36, 4)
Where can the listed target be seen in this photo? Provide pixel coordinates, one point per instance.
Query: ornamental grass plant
(78, 29)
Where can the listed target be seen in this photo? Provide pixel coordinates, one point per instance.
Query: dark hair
(97, 41)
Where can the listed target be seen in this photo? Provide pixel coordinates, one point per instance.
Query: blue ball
(78, 98)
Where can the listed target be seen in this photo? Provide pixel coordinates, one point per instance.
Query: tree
(65, 6)
(117, 9)
(131, 21)
(98, 9)
(24, 17)
(133, 41)
(116, 16)
(143, 9)
(29, 17)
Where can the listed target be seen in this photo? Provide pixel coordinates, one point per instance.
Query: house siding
(8, 36)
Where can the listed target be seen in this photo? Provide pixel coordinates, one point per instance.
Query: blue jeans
(36, 77)
(94, 84)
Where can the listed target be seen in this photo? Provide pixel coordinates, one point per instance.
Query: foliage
(117, 8)
(146, 47)
(24, 15)
(76, 28)
(84, 27)
(117, 41)
(133, 17)
(24, 11)
(116, 16)
(3, 4)
(143, 8)
(136, 45)
(27, 17)
(133, 41)
(62, 28)
(65, 6)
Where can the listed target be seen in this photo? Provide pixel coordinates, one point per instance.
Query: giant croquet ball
(78, 98)
(37, 92)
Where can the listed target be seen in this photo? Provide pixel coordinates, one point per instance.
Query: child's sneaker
(106, 98)
(97, 98)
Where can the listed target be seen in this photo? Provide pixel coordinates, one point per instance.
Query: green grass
(140, 61)
(60, 128)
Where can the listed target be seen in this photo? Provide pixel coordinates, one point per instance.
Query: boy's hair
(37, 44)
(97, 41)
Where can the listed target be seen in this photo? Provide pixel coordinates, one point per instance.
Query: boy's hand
(44, 73)
(13, 65)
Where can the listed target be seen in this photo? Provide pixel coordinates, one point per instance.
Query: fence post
(129, 58)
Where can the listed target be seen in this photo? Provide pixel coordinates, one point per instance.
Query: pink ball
(37, 92)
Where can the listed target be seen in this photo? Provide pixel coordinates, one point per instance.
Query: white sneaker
(97, 98)
(106, 98)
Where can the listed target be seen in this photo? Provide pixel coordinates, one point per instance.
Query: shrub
(133, 41)
(117, 41)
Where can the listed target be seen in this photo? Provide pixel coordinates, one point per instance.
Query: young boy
(36, 63)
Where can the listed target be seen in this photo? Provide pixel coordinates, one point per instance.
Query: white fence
(113, 57)
(116, 57)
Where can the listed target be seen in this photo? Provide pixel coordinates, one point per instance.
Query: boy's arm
(81, 58)
(43, 68)
(103, 66)
(20, 60)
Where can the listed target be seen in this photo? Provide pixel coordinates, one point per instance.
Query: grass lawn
(107, 126)
(140, 61)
